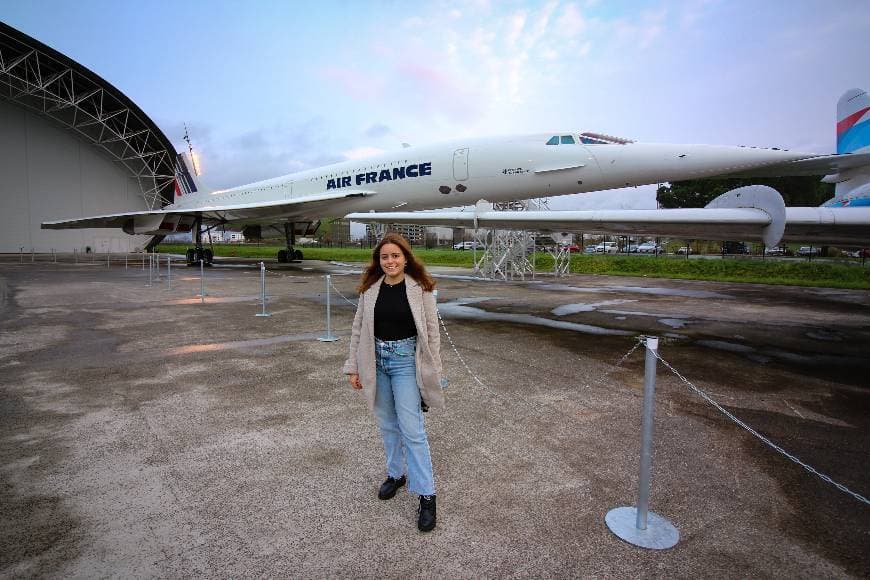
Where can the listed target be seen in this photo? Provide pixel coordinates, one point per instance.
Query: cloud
(361, 152)
(570, 22)
(237, 159)
(515, 27)
(644, 32)
(377, 131)
(353, 82)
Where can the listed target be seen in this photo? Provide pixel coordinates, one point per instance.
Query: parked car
(777, 251)
(808, 251)
(590, 249)
(465, 246)
(607, 248)
(685, 250)
(649, 248)
(862, 253)
(631, 249)
(572, 248)
(734, 248)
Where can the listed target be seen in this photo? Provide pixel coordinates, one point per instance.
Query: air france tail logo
(183, 181)
(394, 174)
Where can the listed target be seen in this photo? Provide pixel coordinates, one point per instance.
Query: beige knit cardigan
(361, 359)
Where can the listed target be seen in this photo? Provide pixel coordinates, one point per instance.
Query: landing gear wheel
(297, 255)
(208, 256)
(191, 256)
(282, 256)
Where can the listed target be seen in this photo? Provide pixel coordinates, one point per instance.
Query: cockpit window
(554, 140)
(567, 140)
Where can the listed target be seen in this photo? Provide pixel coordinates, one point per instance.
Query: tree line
(796, 191)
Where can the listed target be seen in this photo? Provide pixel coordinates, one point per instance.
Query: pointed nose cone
(644, 163)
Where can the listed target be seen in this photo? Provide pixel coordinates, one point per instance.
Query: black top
(393, 318)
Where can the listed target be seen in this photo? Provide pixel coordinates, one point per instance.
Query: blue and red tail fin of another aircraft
(853, 121)
(853, 136)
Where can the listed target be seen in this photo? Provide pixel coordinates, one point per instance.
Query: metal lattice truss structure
(561, 260)
(506, 253)
(42, 80)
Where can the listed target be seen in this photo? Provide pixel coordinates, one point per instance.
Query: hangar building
(72, 145)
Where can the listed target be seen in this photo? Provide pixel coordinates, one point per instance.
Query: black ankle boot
(426, 518)
(390, 487)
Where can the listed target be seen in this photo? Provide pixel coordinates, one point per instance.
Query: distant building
(443, 235)
(335, 231)
(226, 237)
(416, 235)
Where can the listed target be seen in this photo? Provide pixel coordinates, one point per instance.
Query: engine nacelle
(760, 197)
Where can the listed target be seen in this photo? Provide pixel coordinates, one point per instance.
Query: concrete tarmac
(145, 434)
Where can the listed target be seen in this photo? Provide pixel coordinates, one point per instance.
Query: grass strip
(792, 272)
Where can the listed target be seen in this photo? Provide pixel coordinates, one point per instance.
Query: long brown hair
(414, 267)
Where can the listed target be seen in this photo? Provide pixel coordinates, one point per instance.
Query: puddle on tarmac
(461, 309)
(824, 335)
(240, 344)
(765, 355)
(566, 309)
(673, 322)
(638, 290)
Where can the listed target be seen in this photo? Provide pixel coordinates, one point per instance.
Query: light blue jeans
(397, 408)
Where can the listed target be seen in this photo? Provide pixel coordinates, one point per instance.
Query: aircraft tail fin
(853, 136)
(853, 121)
(187, 183)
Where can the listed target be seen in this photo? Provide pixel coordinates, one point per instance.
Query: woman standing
(395, 359)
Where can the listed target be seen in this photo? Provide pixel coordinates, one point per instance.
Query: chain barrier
(510, 402)
(337, 291)
(761, 437)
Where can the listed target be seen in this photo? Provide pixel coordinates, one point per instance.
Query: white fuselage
(462, 172)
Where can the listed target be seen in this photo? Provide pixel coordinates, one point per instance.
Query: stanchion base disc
(660, 534)
(328, 338)
(261, 314)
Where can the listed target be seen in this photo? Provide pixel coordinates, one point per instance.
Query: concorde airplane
(394, 186)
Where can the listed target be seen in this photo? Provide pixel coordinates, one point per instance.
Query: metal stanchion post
(263, 289)
(143, 261)
(149, 269)
(21, 254)
(169, 271)
(108, 263)
(201, 282)
(125, 261)
(639, 526)
(329, 336)
(32, 255)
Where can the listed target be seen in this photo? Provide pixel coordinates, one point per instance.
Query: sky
(267, 88)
